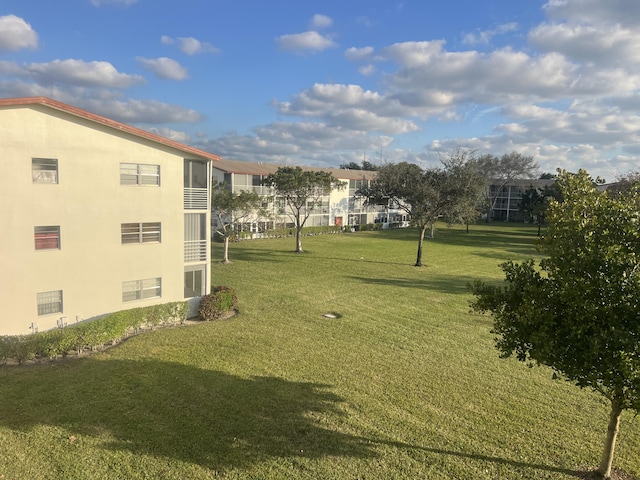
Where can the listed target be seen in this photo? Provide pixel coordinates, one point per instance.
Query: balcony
(195, 251)
(196, 199)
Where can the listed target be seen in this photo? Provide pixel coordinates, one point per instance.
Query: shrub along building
(340, 208)
(96, 216)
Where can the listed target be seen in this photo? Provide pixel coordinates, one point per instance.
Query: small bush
(218, 304)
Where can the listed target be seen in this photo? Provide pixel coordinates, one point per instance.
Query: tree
(625, 182)
(548, 176)
(365, 165)
(499, 171)
(427, 194)
(302, 191)
(533, 205)
(535, 201)
(233, 209)
(578, 312)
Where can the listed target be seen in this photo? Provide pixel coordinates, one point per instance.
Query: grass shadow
(443, 284)
(584, 474)
(210, 418)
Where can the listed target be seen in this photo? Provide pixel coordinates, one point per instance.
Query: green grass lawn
(405, 384)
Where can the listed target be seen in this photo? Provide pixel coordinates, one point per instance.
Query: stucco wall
(89, 205)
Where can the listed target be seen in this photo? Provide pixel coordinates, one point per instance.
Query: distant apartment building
(96, 216)
(340, 207)
(506, 206)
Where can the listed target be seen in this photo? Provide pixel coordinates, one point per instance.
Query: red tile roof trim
(138, 132)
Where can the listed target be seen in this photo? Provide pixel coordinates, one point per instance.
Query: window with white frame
(139, 174)
(194, 281)
(141, 289)
(144, 232)
(50, 302)
(44, 170)
(47, 238)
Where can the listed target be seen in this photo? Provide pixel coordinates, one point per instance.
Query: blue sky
(329, 82)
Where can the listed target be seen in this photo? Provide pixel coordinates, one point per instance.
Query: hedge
(91, 334)
(219, 303)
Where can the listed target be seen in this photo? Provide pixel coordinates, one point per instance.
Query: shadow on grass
(448, 284)
(585, 474)
(209, 418)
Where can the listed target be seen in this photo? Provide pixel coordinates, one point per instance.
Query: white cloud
(484, 37)
(362, 53)
(320, 22)
(171, 134)
(350, 107)
(163, 67)
(606, 46)
(297, 143)
(71, 72)
(367, 70)
(190, 45)
(595, 12)
(311, 41)
(500, 76)
(99, 3)
(140, 111)
(16, 34)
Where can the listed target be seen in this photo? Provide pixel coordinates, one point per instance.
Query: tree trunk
(298, 233)
(420, 243)
(225, 255)
(298, 240)
(610, 443)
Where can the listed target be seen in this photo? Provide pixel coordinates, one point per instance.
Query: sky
(325, 83)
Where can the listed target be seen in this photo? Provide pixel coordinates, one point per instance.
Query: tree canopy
(365, 165)
(232, 209)
(535, 201)
(428, 194)
(577, 312)
(302, 192)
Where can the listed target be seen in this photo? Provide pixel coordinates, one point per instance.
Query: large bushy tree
(302, 192)
(232, 210)
(578, 310)
(428, 194)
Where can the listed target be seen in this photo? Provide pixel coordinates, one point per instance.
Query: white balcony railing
(195, 251)
(195, 199)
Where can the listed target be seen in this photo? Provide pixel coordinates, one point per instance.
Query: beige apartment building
(96, 216)
(340, 207)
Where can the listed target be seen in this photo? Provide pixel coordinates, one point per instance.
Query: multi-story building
(340, 207)
(96, 216)
(505, 197)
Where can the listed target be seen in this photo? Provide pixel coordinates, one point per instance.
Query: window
(194, 281)
(44, 170)
(50, 302)
(47, 238)
(140, 232)
(141, 289)
(195, 174)
(139, 174)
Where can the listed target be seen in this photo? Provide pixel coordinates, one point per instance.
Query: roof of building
(257, 168)
(56, 105)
